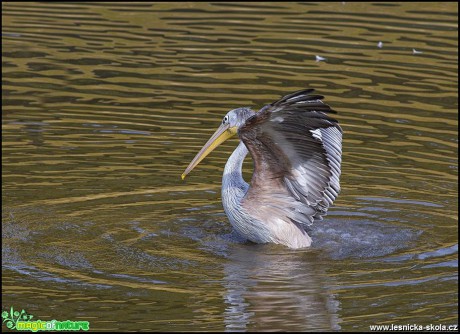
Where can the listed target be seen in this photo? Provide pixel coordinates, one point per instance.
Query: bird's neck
(233, 184)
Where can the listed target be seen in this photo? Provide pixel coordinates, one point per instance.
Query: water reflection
(277, 290)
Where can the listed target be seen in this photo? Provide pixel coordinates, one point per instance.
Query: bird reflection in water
(278, 290)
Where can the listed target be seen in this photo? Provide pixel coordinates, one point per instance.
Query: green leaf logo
(13, 317)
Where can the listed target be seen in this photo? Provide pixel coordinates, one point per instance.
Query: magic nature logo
(22, 321)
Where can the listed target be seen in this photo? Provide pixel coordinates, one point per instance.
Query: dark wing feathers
(296, 148)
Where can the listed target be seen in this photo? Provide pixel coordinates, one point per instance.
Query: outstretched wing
(297, 151)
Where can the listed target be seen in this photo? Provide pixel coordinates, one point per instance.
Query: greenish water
(105, 104)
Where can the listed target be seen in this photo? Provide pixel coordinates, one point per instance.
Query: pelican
(296, 149)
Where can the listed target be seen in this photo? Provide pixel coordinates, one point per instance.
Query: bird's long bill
(223, 133)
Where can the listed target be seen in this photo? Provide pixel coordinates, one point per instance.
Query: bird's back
(296, 149)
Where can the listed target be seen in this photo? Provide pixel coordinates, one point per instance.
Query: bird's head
(231, 122)
(237, 117)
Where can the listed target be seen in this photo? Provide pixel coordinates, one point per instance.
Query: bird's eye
(225, 120)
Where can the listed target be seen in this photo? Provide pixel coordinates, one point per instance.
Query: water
(104, 105)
